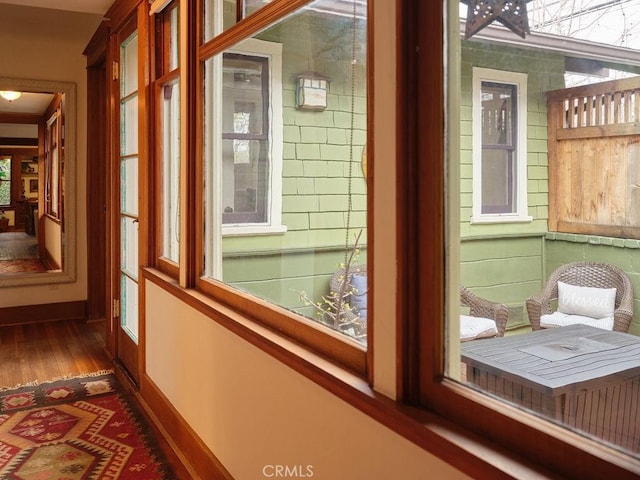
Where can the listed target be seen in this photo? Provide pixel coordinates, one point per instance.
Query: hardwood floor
(45, 351)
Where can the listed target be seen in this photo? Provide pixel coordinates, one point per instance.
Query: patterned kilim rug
(75, 429)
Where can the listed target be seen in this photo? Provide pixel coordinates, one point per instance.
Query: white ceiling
(27, 103)
(86, 6)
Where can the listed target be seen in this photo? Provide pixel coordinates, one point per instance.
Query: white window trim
(520, 81)
(272, 51)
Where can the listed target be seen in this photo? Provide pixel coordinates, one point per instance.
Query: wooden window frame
(553, 450)
(163, 74)
(54, 168)
(342, 351)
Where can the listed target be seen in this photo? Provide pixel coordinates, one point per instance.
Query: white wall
(45, 44)
(253, 411)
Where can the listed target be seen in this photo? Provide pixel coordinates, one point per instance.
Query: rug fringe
(69, 376)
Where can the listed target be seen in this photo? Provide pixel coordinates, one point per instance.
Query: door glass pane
(317, 267)
(129, 185)
(129, 60)
(129, 247)
(129, 126)
(129, 306)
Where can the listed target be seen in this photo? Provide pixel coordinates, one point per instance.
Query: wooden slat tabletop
(618, 360)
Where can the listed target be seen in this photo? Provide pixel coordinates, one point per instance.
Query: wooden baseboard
(46, 312)
(189, 449)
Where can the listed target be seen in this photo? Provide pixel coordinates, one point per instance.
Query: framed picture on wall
(33, 185)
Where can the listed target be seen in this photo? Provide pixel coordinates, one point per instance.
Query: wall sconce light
(10, 96)
(311, 91)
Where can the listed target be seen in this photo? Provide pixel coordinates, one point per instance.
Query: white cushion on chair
(476, 327)
(586, 301)
(559, 319)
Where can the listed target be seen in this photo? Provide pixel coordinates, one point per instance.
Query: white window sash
(520, 81)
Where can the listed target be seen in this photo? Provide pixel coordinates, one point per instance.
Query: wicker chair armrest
(481, 307)
(501, 318)
(534, 310)
(622, 320)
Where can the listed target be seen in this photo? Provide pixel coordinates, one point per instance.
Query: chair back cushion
(586, 301)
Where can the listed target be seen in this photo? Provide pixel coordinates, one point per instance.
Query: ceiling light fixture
(9, 95)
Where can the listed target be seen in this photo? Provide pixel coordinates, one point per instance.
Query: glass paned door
(129, 186)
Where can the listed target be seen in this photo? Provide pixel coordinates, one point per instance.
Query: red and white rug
(75, 429)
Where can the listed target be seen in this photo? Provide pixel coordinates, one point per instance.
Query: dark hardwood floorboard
(42, 352)
(46, 351)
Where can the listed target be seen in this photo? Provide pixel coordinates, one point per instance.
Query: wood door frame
(97, 161)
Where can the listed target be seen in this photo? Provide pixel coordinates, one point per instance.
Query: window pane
(497, 114)
(171, 170)
(251, 6)
(5, 180)
(498, 187)
(323, 189)
(173, 40)
(218, 16)
(532, 324)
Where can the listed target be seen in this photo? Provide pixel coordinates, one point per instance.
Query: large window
(562, 395)
(284, 216)
(168, 148)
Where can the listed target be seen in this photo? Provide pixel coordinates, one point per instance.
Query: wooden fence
(594, 159)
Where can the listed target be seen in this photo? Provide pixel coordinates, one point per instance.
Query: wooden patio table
(583, 377)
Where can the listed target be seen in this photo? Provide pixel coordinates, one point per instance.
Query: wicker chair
(585, 274)
(483, 308)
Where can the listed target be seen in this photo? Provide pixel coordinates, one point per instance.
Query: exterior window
(534, 133)
(250, 156)
(53, 142)
(245, 144)
(168, 99)
(5, 180)
(285, 201)
(499, 146)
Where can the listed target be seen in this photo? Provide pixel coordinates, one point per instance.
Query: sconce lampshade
(311, 91)
(10, 96)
